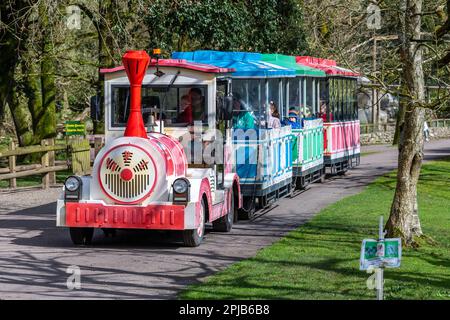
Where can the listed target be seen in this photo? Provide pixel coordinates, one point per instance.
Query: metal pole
(380, 271)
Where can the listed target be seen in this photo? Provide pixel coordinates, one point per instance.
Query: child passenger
(274, 117)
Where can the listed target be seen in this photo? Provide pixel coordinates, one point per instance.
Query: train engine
(143, 180)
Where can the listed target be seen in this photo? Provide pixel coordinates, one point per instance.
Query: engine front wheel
(193, 238)
(81, 236)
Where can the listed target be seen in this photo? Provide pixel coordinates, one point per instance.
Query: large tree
(404, 218)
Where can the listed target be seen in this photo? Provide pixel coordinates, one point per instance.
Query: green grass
(35, 180)
(320, 260)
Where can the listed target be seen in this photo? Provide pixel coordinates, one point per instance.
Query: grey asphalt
(35, 255)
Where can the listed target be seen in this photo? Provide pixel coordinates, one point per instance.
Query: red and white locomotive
(143, 179)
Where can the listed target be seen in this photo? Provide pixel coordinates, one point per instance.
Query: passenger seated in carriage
(274, 117)
(242, 117)
(323, 111)
(293, 120)
(194, 107)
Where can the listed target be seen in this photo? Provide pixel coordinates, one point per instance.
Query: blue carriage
(262, 155)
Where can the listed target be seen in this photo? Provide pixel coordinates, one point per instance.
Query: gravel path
(34, 254)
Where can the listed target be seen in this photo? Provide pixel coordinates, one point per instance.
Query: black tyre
(108, 232)
(301, 183)
(225, 223)
(322, 178)
(248, 209)
(81, 236)
(193, 238)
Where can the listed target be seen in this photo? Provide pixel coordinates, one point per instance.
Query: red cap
(135, 63)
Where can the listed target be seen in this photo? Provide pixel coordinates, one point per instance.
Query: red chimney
(135, 63)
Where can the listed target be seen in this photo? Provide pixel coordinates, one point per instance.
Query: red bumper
(158, 217)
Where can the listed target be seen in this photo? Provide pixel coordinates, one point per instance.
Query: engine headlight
(180, 186)
(72, 183)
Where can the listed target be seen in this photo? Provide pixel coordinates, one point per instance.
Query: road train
(211, 137)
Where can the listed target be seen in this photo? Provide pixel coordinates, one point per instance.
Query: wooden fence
(78, 159)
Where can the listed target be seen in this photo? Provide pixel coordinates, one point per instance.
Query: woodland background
(49, 68)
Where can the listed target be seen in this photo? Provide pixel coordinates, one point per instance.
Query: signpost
(74, 128)
(380, 254)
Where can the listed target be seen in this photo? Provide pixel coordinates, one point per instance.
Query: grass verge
(320, 260)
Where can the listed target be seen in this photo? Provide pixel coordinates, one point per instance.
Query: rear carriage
(339, 111)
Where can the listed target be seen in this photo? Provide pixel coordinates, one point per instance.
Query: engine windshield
(177, 106)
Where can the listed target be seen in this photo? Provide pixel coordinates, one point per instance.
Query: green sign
(383, 253)
(75, 128)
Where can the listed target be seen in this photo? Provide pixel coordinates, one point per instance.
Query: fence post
(44, 162)
(51, 162)
(98, 142)
(12, 166)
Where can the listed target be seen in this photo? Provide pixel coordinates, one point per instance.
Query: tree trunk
(404, 220)
(20, 116)
(46, 117)
(105, 52)
(14, 17)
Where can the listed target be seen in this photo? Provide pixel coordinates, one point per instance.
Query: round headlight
(180, 186)
(72, 184)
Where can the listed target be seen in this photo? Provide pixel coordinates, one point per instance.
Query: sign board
(75, 128)
(382, 253)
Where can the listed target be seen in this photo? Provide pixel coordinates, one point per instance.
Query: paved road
(34, 254)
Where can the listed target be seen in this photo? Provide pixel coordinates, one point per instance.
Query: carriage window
(180, 105)
(252, 99)
(338, 99)
(332, 113)
(308, 110)
(353, 101)
(344, 99)
(294, 95)
(240, 91)
(324, 97)
(257, 98)
(283, 107)
(349, 100)
(274, 91)
(255, 95)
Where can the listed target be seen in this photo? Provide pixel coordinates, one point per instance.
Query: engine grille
(127, 189)
(127, 174)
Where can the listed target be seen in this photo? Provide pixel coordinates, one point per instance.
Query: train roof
(289, 62)
(179, 63)
(246, 64)
(329, 66)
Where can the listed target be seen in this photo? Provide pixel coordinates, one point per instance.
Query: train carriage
(145, 177)
(263, 155)
(192, 140)
(302, 100)
(338, 108)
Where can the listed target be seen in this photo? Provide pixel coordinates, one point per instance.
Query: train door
(222, 90)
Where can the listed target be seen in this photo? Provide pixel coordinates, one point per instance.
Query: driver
(194, 107)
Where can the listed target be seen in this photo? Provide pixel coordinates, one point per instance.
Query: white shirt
(274, 122)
